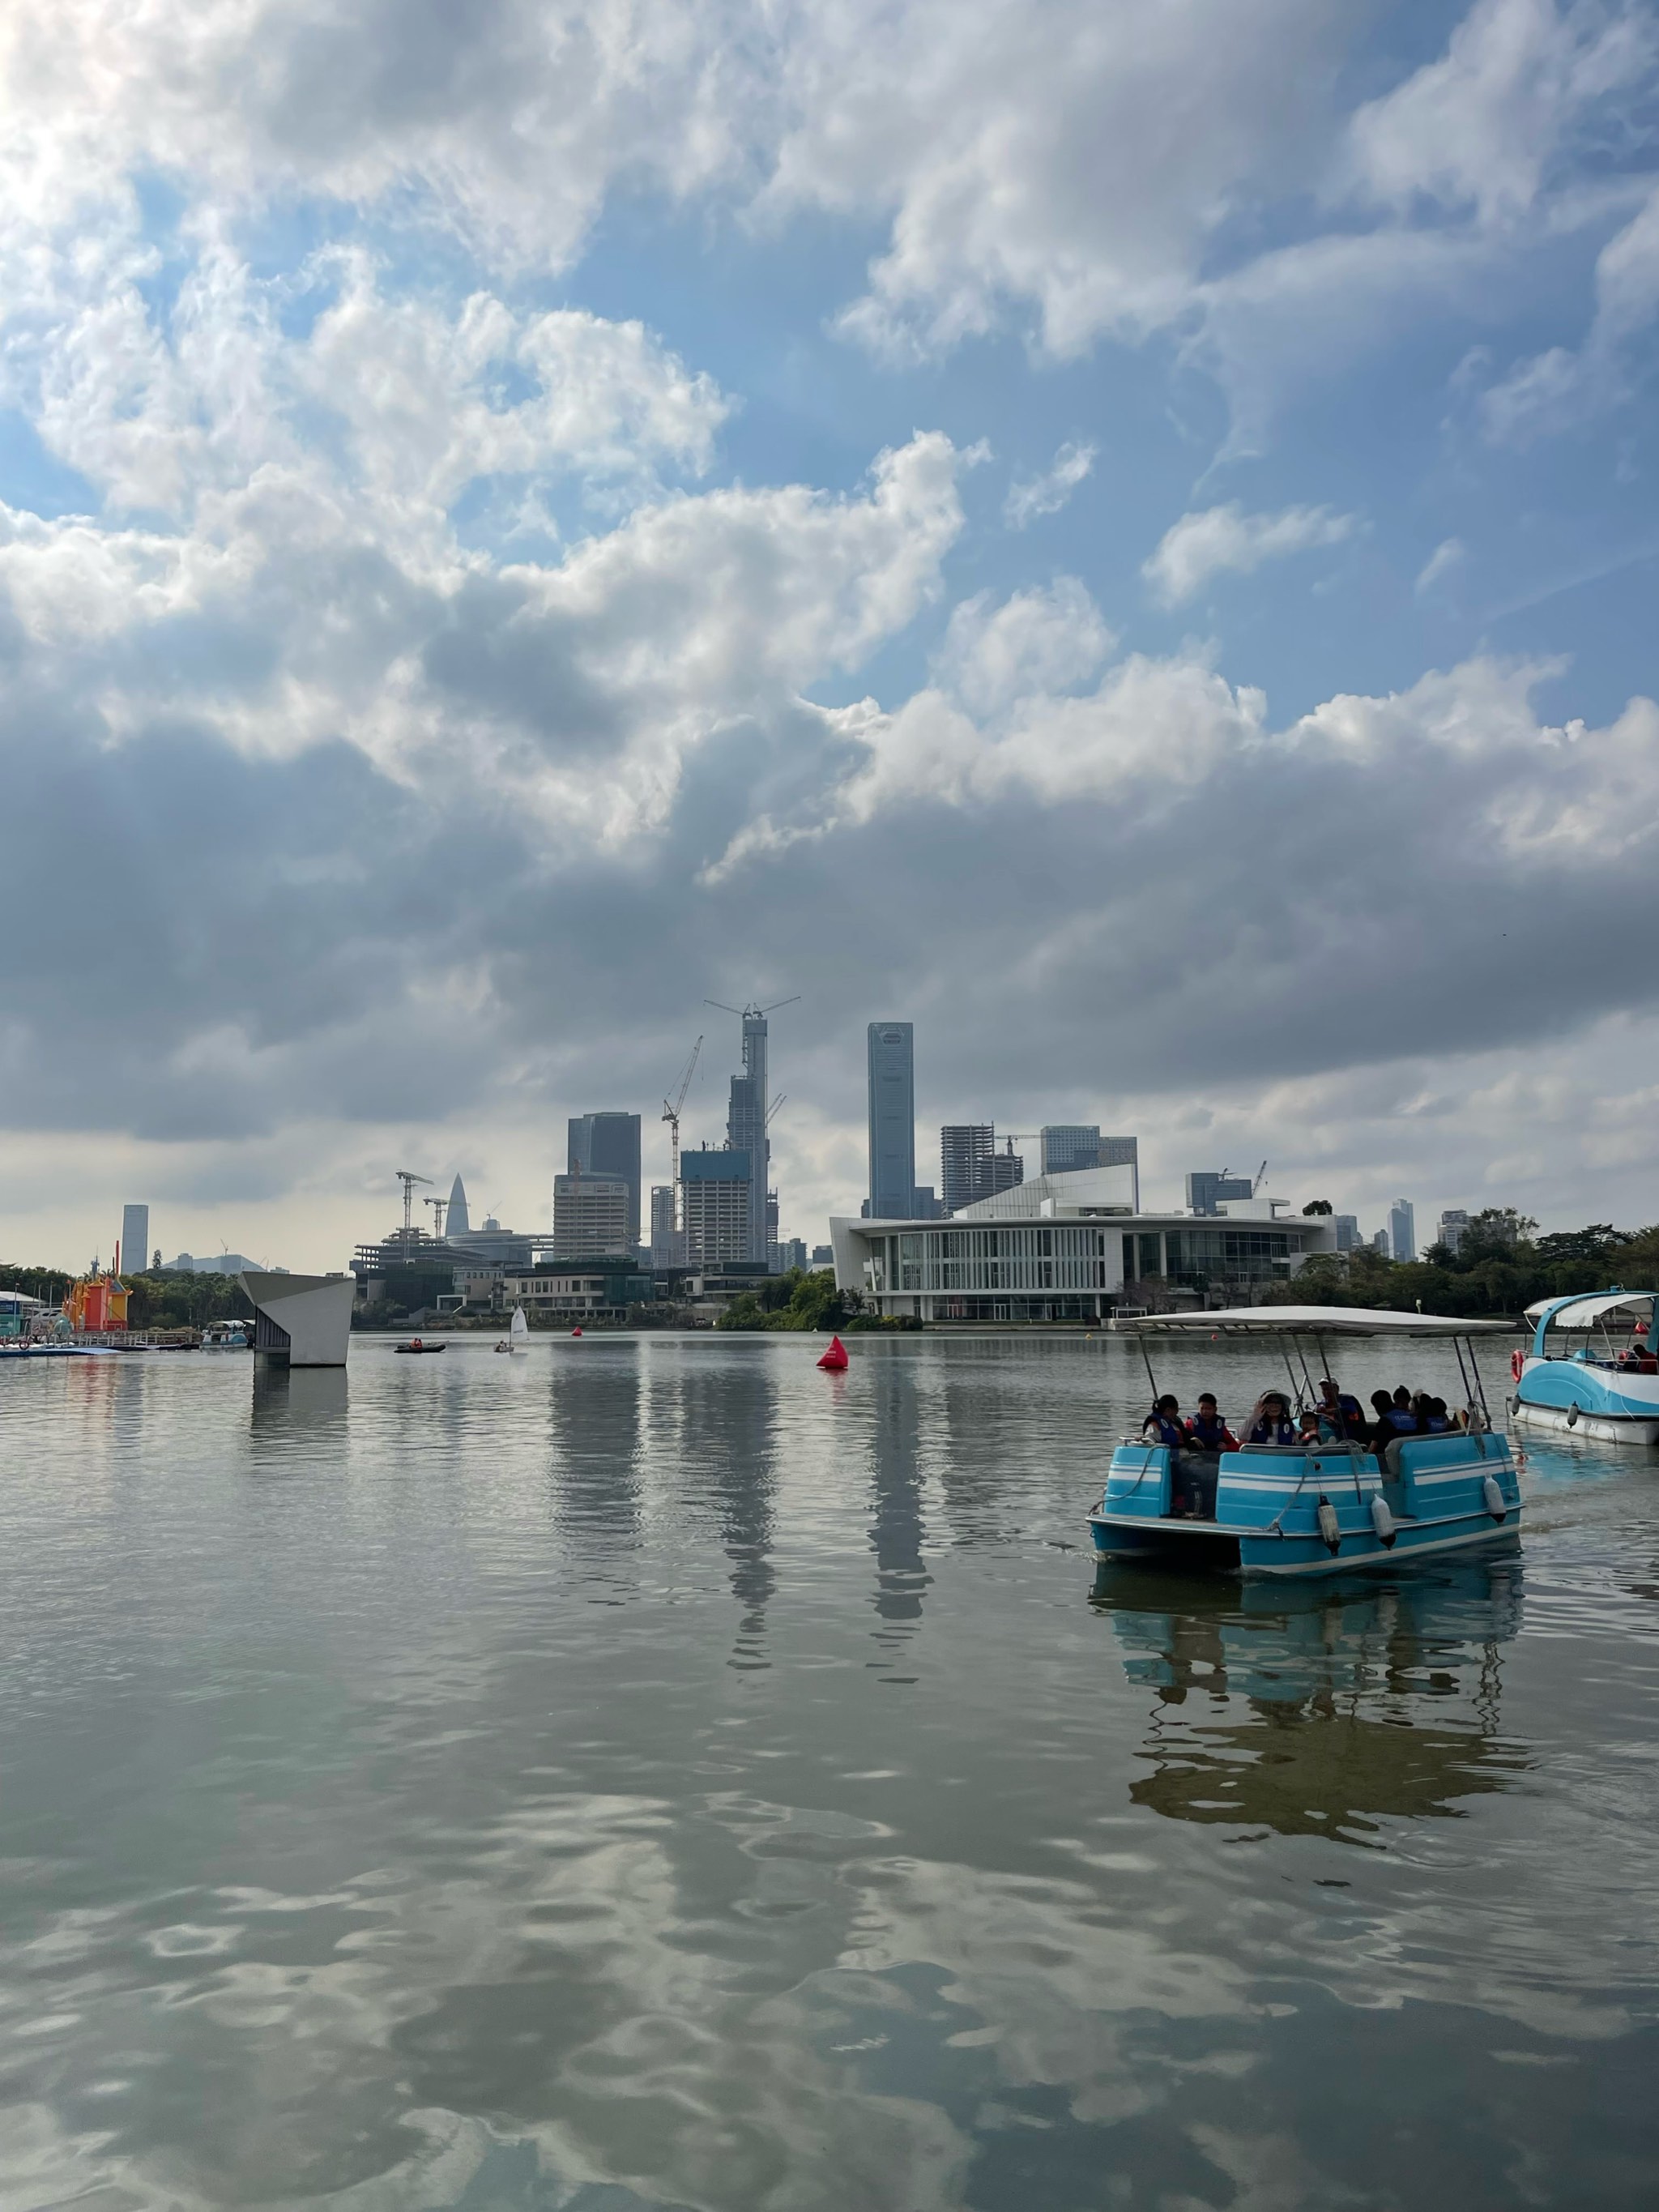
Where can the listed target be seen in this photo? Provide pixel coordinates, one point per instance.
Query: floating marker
(835, 1358)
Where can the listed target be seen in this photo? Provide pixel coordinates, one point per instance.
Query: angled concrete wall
(304, 1320)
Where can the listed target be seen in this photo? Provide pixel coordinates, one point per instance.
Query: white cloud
(1448, 556)
(1032, 496)
(1481, 128)
(1559, 387)
(1225, 539)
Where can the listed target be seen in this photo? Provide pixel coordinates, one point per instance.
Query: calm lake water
(649, 1772)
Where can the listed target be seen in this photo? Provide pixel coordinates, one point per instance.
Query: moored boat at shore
(1324, 1505)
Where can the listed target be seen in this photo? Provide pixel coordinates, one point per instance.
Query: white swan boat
(1602, 1386)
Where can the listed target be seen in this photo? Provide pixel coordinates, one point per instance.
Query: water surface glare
(649, 1773)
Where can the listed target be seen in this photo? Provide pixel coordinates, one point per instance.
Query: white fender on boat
(1330, 1531)
(1494, 1497)
(1383, 1520)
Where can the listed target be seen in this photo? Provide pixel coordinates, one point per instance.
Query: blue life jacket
(1206, 1435)
(1169, 1433)
(1269, 1431)
(1438, 1425)
(1401, 1417)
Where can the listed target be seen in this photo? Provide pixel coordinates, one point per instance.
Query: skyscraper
(1454, 1226)
(608, 1145)
(1402, 1229)
(965, 1150)
(1347, 1232)
(718, 1194)
(457, 1220)
(745, 1128)
(892, 1099)
(1123, 1152)
(591, 1216)
(135, 1239)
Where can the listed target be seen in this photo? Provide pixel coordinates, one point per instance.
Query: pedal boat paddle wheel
(1597, 1376)
(1311, 1509)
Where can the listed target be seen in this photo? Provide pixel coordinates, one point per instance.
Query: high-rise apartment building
(1007, 1171)
(717, 1193)
(965, 1150)
(1347, 1232)
(135, 1239)
(1207, 1190)
(608, 1145)
(591, 1216)
(1454, 1227)
(892, 1104)
(1402, 1229)
(667, 1242)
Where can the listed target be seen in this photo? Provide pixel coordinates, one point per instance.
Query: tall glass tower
(608, 1145)
(892, 1086)
(746, 1126)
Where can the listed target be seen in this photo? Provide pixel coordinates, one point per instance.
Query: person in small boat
(1206, 1431)
(1342, 1410)
(1438, 1420)
(1422, 1407)
(1311, 1429)
(1270, 1423)
(1163, 1425)
(1392, 1421)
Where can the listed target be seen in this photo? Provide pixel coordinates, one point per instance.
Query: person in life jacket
(1163, 1425)
(1206, 1431)
(1344, 1411)
(1271, 1422)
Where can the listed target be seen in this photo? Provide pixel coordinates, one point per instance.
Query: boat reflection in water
(1319, 1708)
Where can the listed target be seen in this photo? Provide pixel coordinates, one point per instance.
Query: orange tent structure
(96, 1302)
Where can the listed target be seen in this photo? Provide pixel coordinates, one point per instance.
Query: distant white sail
(521, 1326)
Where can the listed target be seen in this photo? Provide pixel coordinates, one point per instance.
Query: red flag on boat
(835, 1358)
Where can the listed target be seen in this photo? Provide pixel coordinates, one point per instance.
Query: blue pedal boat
(1592, 1388)
(1311, 1509)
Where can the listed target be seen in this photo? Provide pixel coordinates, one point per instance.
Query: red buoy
(575, 1332)
(835, 1358)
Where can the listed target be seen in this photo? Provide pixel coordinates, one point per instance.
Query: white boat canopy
(1304, 1321)
(1583, 1312)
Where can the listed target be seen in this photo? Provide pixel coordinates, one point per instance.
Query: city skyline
(932, 539)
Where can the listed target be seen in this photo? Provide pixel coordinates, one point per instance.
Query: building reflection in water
(594, 1408)
(1318, 1709)
(725, 1451)
(297, 1412)
(896, 1529)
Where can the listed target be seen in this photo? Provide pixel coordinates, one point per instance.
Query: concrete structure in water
(300, 1320)
(891, 1085)
(1062, 1247)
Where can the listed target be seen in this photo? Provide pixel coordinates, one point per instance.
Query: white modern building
(592, 1217)
(1454, 1227)
(1063, 1247)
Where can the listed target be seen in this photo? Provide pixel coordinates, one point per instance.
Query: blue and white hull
(1586, 1399)
(1290, 1510)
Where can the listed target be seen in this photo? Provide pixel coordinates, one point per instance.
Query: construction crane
(774, 1107)
(409, 1181)
(1260, 1176)
(743, 1012)
(439, 1206)
(672, 1115)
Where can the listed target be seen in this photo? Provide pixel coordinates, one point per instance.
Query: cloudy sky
(1120, 531)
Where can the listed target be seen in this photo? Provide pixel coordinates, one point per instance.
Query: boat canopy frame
(1295, 1326)
(1586, 1311)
